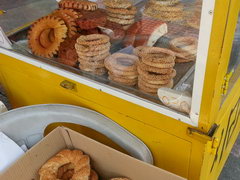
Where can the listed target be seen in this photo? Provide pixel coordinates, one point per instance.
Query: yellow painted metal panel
(163, 135)
(225, 14)
(226, 135)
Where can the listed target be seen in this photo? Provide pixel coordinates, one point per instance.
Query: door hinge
(212, 143)
(202, 136)
(227, 77)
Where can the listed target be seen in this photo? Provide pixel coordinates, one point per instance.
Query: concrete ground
(231, 170)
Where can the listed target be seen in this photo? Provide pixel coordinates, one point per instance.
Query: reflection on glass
(235, 55)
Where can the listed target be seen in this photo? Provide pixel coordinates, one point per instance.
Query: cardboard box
(105, 160)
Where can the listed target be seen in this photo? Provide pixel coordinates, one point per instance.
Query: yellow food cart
(194, 145)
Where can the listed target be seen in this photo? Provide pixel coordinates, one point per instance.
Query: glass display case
(166, 77)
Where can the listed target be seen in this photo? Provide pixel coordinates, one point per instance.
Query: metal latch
(226, 83)
(212, 146)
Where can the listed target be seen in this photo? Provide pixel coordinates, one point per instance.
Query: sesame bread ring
(184, 44)
(155, 76)
(92, 66)
(55, 24)
(156, 86)
(156, 60)
(93, 53)
(156, 50)
(70, 12)
(138, 50)
(164, 2)
(149, 12)
(79, 5)
(181, 60)
(163, 69)
(97, 71)
(128, 82)
(93, 39)
(145, 87)
(118, 72)
(123, 77)
(98, 64)
(121, 21)
(70, 22)
(176, 8)
(123, 62)
(66, 163)
(119, 179)
(156, 82)
(101, 47)
(95, 58)
(129, 11)
(117, 3)
(120, 16)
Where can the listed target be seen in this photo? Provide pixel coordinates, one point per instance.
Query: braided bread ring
(48, 22)
(80, 5)
(156, 76)
(129, 11)
(70, 22)
(93, 39)
(121, 21)
(70, 12)
(80, 162)
(83, 48)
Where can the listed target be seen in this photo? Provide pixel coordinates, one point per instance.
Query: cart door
(217, 150)
(218, 96)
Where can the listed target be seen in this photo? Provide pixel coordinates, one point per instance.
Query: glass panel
(234, 62)
(172, 27)
(235, 55)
